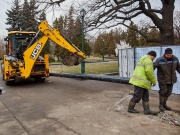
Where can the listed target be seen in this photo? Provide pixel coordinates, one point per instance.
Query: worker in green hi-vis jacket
(143, 78)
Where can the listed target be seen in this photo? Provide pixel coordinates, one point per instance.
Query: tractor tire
(39, 79)
(9, 83)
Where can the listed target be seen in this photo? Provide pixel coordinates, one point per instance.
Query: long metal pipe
(106, 78)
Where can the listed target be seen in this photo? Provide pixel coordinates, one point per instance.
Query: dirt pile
(170, 117)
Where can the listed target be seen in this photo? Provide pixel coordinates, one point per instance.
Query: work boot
(147, 110)
(161, 102)
(164, 105)
(131, 107)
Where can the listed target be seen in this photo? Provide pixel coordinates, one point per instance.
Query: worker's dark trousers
(140, 93)
(165, 89)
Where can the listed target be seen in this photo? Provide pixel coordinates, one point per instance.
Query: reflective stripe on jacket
(143, 75)
(166, 69)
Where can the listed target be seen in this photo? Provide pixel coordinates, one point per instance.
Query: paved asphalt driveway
(65, 106)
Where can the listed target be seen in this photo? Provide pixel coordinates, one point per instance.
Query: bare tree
(56, 6)
(2, 47)
(110, 13)
(50, 3)
(177, 26)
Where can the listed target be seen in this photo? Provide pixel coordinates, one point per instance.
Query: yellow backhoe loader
(22, 58)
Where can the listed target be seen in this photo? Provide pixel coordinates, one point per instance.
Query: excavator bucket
(71, 60)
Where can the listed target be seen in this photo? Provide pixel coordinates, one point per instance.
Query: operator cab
(17, 42)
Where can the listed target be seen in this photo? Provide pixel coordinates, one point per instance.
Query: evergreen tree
(132, 35)
(70, 24)
(14, 16)
(123, 35)
(110, 43)
(25, 14)
(58, 24)
(153, 34)
(97, 45)
(78, 27)
(100, 42)
(87, 48)
(22, 17)
(142, 40)
(77, 39)
(47, 47)
(61, 25)
(65, 26)
(117, 35)
(32, 23)
(70, 29)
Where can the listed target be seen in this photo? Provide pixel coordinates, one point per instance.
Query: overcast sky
(3, 8)
(6, 4)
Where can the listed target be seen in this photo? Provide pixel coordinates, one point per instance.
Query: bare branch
(109, 13)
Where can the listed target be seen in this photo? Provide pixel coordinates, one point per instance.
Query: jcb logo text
(35, 51)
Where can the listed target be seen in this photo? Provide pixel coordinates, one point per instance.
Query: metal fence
(129, 57)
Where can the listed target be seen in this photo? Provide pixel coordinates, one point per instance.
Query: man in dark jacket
(166, 65)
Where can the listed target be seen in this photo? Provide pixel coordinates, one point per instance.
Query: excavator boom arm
(32, 53)
(55, 36)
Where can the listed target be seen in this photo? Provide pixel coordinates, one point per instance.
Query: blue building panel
(140, 51)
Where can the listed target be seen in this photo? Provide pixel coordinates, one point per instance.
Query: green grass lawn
(93, 59)
(90, 68)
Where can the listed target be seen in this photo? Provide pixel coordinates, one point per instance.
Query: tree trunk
(167, 31)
